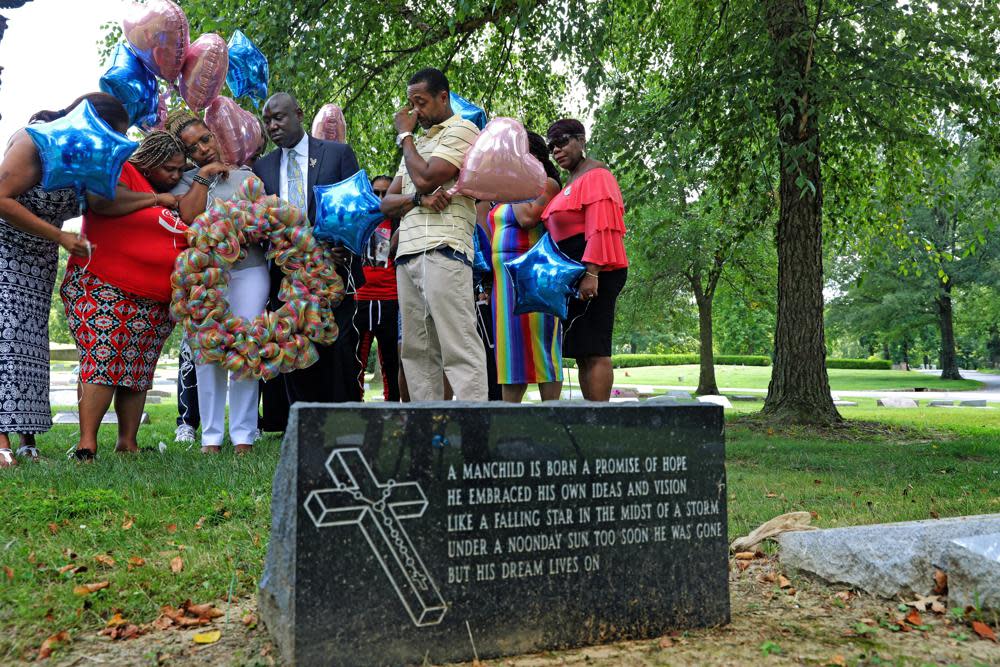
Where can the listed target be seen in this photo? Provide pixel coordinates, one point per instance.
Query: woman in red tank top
(117, 299)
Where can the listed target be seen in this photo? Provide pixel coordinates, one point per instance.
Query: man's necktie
(296, 183)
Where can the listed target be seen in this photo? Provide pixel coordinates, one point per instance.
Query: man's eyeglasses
(204, 140)
(560, 141)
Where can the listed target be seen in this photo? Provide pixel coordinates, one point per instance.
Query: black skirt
(589, 325)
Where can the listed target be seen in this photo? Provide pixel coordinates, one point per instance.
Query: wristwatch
(417, 198)
(401, 136)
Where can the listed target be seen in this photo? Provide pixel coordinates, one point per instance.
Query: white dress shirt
(302, 157)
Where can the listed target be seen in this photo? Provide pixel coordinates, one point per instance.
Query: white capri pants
(247, 296)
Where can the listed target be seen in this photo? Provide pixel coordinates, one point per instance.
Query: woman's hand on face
(588, 288)
(76, 245)
(214, 168)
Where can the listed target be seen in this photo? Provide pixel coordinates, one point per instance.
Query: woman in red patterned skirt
(117, 300)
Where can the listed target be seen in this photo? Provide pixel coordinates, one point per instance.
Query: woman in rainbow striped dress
(528, 347)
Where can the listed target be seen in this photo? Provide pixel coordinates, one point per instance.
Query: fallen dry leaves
(119, 629)
(122, 632)
(209, 637)
(984, 631)
(745, 555)
(202, 610)
(135, 561)
(128, 523)
(176, 564)
(87, 589)
(105, 560)
(913, 618)
(45, 651)
(925, 602)
(171, 528)
(53, 528)
(8, 572)
(187, 615)
(837, 661)
(940, 582)
(666, 642)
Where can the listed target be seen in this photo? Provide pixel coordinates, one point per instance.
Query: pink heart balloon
(330, 124)
(237, 131)
(499, 167)
(204, 72)
(158, 32)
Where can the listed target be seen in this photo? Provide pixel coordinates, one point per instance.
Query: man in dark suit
(290, 171)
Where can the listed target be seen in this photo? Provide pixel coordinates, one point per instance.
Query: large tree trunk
(799, 391)
(706, 372)
(946, 322)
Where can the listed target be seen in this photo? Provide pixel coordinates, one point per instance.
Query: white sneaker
(184, 433)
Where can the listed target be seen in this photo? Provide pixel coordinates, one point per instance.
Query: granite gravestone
(444, 531)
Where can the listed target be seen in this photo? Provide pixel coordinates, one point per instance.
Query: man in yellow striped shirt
(434, 255)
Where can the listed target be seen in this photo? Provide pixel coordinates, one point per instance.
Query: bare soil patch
(778, 618)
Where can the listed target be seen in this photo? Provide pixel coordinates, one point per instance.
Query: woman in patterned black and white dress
(30, 235)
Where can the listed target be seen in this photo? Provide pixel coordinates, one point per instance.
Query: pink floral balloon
(158, 32)
(237, 131)
(329, 124)
(499, 167)
(204, 70)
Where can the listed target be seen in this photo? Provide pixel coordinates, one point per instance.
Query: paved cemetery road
(989, 391)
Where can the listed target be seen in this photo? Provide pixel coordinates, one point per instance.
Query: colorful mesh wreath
(273, 342)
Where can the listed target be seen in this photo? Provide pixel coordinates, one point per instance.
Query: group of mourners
(414, 290)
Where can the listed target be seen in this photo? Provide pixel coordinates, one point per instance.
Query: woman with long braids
(117, 300)
(31, 233)
(249, 286)
(528, 347)
(587, 221)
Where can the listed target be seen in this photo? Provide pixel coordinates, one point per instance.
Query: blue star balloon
(544, 279)
(134, 85)
(248, 69)
(81, 151)
(468, 111)
(482, 250)
(347, 213)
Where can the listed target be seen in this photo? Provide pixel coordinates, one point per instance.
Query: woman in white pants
(249, 285)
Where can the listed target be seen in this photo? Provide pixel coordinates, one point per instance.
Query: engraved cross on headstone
(358, 498)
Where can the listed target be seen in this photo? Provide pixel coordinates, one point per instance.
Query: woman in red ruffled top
(587, 221)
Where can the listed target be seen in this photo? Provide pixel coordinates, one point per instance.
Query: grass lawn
(213, 512)
(757, 377)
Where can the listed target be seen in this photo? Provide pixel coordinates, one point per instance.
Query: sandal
(84, 454)
(29, 452)
(7, 458)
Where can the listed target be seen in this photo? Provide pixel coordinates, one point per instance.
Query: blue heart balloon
(81, 151)
(347, 213)
(544, 279)
(468, 110)
(482, 250)
(248, 70)
(134, 85)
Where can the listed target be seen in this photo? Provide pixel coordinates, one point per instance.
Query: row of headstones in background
(443, 532)
(896, 402)
(109, 418)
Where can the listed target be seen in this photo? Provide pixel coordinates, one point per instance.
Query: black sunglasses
(381, 193)
(560, 141)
